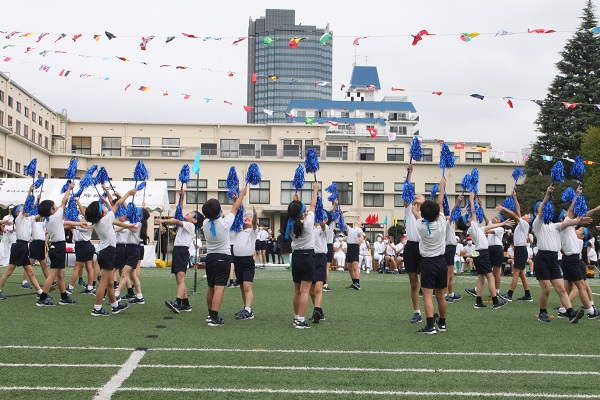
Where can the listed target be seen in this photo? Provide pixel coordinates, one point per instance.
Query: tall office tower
(284, 73)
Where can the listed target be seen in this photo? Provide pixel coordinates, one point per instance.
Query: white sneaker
(368, 271)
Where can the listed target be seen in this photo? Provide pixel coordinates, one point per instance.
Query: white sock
(97, 306)
(301, 319)
(562, 310)
(451, 294)
(115, 304)
(24, 282)
(117, 293)
(89, 287)
(590, 311)
(418, 312)
(139, 296)
(247, 309)
(592, 304)
(296, 317)
(39, 291)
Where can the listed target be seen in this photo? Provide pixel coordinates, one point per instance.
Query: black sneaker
(301, 324)
(593, 315)
(416, 318)
(129, 296)
(501, 303)
(87, 291)
(100, 313)
(171, 305)
(326, 289)
(507, 297)
(576, 316)
(561, 314)
(245, 314)
(441, 327)
(26, 285)
(120, 307)
(2, 297)
(429, 330)
(543, 317)
(81, 282)
(525, 298)
(69, 289)
(231, 285)
(350, 286)
(37, 296)
(187, 308)
(472, 292)
(480, 305)
(357, 286)
(115, 285)
(316, 317)
(216, 321)
(67, 301)
(457, 296)
(420, 293)
(137, 300)
(44, 303)
(236, 284)
(54, 284)
(450, 299)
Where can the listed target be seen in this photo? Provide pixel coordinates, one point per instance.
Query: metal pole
(196, 247)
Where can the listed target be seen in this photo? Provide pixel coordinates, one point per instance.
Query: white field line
(61, 365)
(106, 391)
(67, 348)
(45, 388)
(368, 392)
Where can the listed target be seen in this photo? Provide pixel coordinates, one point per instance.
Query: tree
(590, 150)
(535, 190)
(397, 230)
(578, 81)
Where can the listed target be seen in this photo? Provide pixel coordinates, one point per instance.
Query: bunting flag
(321, 83)
(503, 32)
(44, 68)
(185, 96)
(109, 35)
(391, 136)
(481, 149)
(230, 74)
(342, 87)
(207, 100)
(438, 93)
(122, 58)
(323, 40)
(538, 102)
(170, 39)
(7, 59)
(268, 112)
(294, 42)
(372, 132)
(547, 158)
(459, 146)
(61, 36)
(187, 35)
(508, 101)
(97, 38)
(127, 87)
(267, 41)
(143, 89)
(466, 37)
(254, 78)
(370, 87)
(273, 78)
(419, 36)
(247, 108)
(145, 41)
(540, 30)
(477, 96)
(211, 38)
(308, 121)
(165, 93)
(74, 38)
(227, 102)
(333, 123)
(395, 89)
(64, 73)
(570, 105)
(28, 49)
(595, 29)
(239, 40)
(355, 42)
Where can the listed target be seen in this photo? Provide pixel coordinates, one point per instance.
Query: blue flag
(385, 220)
(196, 166)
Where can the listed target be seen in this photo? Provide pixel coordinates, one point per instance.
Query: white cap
(9, 207)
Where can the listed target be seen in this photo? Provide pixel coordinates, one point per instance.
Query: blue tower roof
(364, 76)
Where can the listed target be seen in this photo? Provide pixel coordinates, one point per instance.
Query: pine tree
(578, 81)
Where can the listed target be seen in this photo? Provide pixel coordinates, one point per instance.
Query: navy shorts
(353, 252)
(571, 268)
(257, 245)
(181, 259)
(303, 265)
(244, 269)
(142, 250)
(546, 265)
(496, 255)
(132, 255)
(263, 245)
(583, 269)
(84, 251)
(449, 254)
(521, 257)
(57, 254)
(434, 272)
(37, 250)
(482, 262)
(120, 257)
(329, 254)
(106, 258)
(19, 253)
(320, 267)
(217, 269)
(412, 257)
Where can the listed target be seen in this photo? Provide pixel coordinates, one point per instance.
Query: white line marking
(367, 392)
(106, 391)
(45, 388)
(68, 348)
(61, 365)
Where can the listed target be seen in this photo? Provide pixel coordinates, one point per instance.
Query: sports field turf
(366, 348)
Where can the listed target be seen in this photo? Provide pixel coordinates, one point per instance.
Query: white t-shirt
(363, 250)
(433, 239)
(592, 255)
(569, 242)
(186, 234)
(378, 248)
(450, 234)
(320, 236)
(121, 234)
(548, 236)
(477, 235)
(105, 231)
(81, 234)
(459, 249)
(193, 250)
(339, 247)
(495, 239)
(244, 242)
(510, 252)
(263, 235)
(329, 233)
(412, 233)
(9, 228)
(521, 233)
(218, 244)
(134, 237)
(353, 235)
(306, 241)
(55, 227)
(38, 230)
(468, 250)
(23, 227)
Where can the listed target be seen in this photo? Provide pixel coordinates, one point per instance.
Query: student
(37, 246)
(192, 221)
(218, 258)
(468, 258)
(340, 248)
(330, 235)
(451, 241)
(84, 253)
(316, 289)
(379, 252)
(519, 249)
(547, 270)
(8, 237)
(299, 223)
(243, 261)
(101, 213)
(482, 261)
(364, 255)
(494, 238)
(412, 256)
(354, 233)
(431, 226)
(57, 249)
(19, 251)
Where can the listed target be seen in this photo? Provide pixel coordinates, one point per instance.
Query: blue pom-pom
(333, 196)
(121, 211)
(31, 168)
(578, 168)
(34, 211)
(331, 188)
(65, 186)
(238, 221)
(298, 181)
(184, 174)
(102, 176)
(311, 161)
(132, 213)
(580, 208)
(38, 182)
(468, 212)
(253, 176)
(78, 193)
(86, 181)
(341, 223)
(447, 159)
(319, 210)
(548, 212)
(466, 183)
(72, 211)
(92, 170)
(415, 150)
(71, 171)
(29, 204)
(434, 191)
(232, 180)
(558, 172)
(456, 214)
(568, 195)
(335, 213)
(517, 174)
(233, 193)
(140, 186)
(408, 192)
(479, 213)
(510, 204)
(475, 181)
(446, 205)
(140, 173)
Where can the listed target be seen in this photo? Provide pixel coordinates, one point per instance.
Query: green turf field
(366, 348)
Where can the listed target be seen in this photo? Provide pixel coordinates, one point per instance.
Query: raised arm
(472, 203)
(546, 197)
(570, 212)
(238, 201)
(518, 206)
(110, 197)
(576, 221)
(65, 199)
(516, 216)
(122, 199)
(170, 221)
(80, 207)
(440, 199)
(313, 201)
(254, 219)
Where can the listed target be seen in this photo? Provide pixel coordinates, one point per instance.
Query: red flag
(7, 59)
(376, 218)
(294, 42)
(122, 58)
(247, 108)
(181, 67)
(419, 36)
(254, 79)
(355, 42)
(127, 87)
(459, 146)
(333, 123)
(61, 36)
(165, 93)
(372, 132)
(570, 105)
(240, 39)
(589, 162)
(369, 220)
(438, 93)
(227, 102)
(190, 36)
(186, 96)
(510, 103)
(370, 87)
(77, 37)
(230, 74)
(540, 30)
(395, 89)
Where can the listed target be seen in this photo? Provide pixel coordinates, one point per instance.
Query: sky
(521, 66)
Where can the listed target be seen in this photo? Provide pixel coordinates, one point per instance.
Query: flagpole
(196, 246)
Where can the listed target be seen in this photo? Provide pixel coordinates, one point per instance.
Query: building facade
(284, 73)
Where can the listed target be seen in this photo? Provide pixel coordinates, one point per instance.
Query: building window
(373, 186)
(19, 107)
(493, 201)
(26, 113)
(345, 114)
(287, 192)
(33, 117)
(39, 139)
(52, 129)
(18, 127)
(46, 141)
(170, 147)
(372, 200)
(369, 115)
(321, 114)
(366, 154)
(171, 183)
(247, 150)
(495, 188)
(230, 148)
(166, 142)
(33, 135)
(25, 131)
(1, 96)
(81, 145)
(427, 155)
(193, 197)
(192, 183)
(208, 149)
(317, 148)
(398, 130)
(18, 168)
(140, 153)
(268, 150)
(222, 195)
(398, 188)
(40, 121)
(9, 121)
(473, 157)
(336, 152)
(344, 193)
(429, 187)
(46, 125)
(261, 194)
(140, 141)
(9, 164)
(10, 101)
(111, 146)
(395, 154)
(2, 118)
(301, 114)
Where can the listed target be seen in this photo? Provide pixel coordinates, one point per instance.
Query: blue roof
(364, 76)
(352, 105)
(352, 121)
